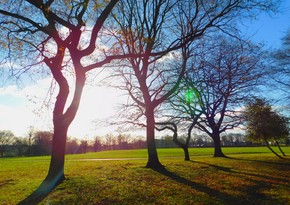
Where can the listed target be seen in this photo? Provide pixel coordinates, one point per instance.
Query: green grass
(172, 152)
(249, 176)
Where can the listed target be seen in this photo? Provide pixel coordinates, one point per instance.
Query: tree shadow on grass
(260, 182)
(40, 193)
(284, 162)
(224, 197)
(229, 170)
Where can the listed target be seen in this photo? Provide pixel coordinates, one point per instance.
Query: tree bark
(153, 161)
(217, 146)
(56, 169)
(183, 146)
(186, 153)
(61, 122)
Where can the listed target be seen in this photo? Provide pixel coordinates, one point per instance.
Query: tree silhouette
(222, 74)
(62, 35)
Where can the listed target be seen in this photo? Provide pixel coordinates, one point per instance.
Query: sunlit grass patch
(253, 178)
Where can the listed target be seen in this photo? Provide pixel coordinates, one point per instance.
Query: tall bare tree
(63, 35)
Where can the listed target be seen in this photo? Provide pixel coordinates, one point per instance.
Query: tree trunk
(217, 146)
(61, 122)
(153, 161)
(186, 153)
(279, 147)
(268, 145)
(56, 168)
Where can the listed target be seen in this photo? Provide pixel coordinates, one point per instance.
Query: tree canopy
(264, 124)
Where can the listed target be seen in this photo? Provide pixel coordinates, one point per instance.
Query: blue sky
(269, 28)
(22, 107)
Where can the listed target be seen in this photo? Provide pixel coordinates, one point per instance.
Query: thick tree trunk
(186, 153)
(56, 168)
(61, 122)
(217, 146)
(153, 161)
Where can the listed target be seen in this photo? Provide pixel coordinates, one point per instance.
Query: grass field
(248, 176)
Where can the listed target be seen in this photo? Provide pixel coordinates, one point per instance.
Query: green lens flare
(189, 96)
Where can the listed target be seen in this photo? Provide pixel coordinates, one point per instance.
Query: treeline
(38, 143)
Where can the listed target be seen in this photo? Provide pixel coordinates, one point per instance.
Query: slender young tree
(63, 35)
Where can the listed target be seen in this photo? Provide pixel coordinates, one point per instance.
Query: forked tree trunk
(183, 146)
(279, 147)
(61, 122)
(153, 161)
(269, 147)
(217, 146)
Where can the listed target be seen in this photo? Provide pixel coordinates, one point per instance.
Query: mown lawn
(248, 176)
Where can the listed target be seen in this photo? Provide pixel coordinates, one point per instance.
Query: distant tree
(72, 146)
(30, 137)
(138, 142)
(110, 141)
(83, 146)
(97, 144)
(21, 147)
(123, 141)
(199, 142)
(42, 143)
(6, 138)
(264, 124)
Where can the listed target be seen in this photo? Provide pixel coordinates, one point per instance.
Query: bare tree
(149, 32)
(42, 142)
(6, 138)
(223, 74)
(62, 35)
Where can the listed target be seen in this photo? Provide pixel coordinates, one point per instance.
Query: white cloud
(97, 103)
(18, 119)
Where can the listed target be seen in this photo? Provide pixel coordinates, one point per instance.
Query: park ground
(247, 176)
